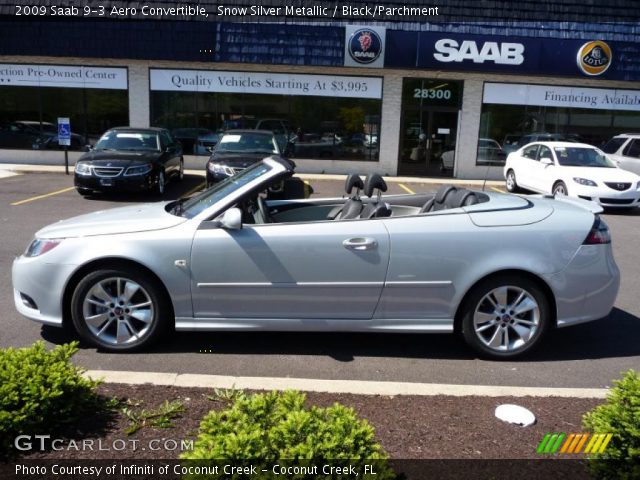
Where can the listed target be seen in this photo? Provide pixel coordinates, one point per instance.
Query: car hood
(237, 160)
(103, 158)
(135, 218)
(600, 174)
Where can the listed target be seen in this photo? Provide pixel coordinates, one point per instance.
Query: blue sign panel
(513, 55)
(64, 131)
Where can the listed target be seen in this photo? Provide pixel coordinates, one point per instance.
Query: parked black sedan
(130, 159)
(238, 149)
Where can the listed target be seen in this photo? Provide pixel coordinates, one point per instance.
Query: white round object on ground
(515, 414)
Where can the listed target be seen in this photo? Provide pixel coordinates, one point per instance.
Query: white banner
(265, 83)
(557, 96)
(20, 75)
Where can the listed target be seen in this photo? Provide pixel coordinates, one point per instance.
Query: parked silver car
(500, 269)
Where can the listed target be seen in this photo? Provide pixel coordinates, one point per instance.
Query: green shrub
(40, 389)
(276, 428)
(620, 416)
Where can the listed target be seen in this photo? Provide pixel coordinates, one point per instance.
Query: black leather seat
(448, 197)
(438, 201)
(376, 208)
(353, 206)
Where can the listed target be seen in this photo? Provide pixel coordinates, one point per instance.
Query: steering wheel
(264, 212)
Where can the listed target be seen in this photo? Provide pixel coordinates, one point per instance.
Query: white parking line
(358, 387)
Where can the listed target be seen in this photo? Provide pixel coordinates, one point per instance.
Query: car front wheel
(119, 310)
(161, 183)
(505, 316)
(559, 188)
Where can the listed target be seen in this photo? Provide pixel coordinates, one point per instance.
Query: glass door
(428, 143)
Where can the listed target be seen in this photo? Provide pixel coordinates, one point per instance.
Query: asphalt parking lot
(587, 355)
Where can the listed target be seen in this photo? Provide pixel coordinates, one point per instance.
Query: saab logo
(594, 58)
(365, 46)
(499, 53)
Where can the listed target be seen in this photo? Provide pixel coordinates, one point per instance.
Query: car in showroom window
(239, 149)
(574, 169)
(231, 259)
(130, 159)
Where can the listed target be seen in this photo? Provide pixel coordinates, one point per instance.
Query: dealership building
(403, 88)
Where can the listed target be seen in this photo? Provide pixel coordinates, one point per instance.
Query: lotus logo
(594, 58)
(365, 46)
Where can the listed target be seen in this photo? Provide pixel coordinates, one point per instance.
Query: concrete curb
(357, 387)
(22, 168)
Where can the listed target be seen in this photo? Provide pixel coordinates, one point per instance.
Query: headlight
(219, 169)
(585, 181)
(83, 168)
(138, 170)
(40, 246)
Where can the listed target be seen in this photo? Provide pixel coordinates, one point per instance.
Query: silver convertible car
(499, 269)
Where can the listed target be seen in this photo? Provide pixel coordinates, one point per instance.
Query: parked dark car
(130, 159)
(238, 149)
(35, 135)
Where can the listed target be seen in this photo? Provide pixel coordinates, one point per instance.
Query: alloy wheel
(118, 311)
(506, 318)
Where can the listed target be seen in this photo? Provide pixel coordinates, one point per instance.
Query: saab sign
(499, 53)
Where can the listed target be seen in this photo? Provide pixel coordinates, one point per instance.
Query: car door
(527, 167)
(170, 153)
(546, 173)
(322, 270)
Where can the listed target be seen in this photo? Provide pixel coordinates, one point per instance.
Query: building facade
(407, 95)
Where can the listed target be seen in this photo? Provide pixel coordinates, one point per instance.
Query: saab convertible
(500, 269)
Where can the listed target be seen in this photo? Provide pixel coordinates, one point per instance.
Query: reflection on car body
(228, 259)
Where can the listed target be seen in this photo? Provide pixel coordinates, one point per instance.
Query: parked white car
(574, 169)
(624, 149)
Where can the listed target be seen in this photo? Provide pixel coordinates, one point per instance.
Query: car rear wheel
(512, 185)
(559, 188)
(505, 316)
(119, 310)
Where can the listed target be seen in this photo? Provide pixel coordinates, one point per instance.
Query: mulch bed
(408, 427)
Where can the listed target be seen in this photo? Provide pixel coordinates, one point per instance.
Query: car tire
(161, 184)
(505, 316)
(103, 313)
(84, 191)
(560, 188)
(510, 181)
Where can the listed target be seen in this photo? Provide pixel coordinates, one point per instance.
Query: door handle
(360, 243)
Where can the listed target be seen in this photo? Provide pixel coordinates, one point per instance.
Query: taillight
(599, 233)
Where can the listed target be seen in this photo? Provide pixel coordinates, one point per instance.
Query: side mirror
(232, 219)
(546, 161)
(87, 148)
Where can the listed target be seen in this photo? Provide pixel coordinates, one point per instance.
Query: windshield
(613, 145)
(582, 157)
(247, 143)
(115, 140)
(197, 204)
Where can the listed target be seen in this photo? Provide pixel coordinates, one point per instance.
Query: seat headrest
(374, 181)
(352, 181)
(443, 191)
(462, 198)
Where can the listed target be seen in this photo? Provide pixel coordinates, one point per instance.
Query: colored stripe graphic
(574, 443)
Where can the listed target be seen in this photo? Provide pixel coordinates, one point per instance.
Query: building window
(514, 115)
(332, 117)
(93, 98)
